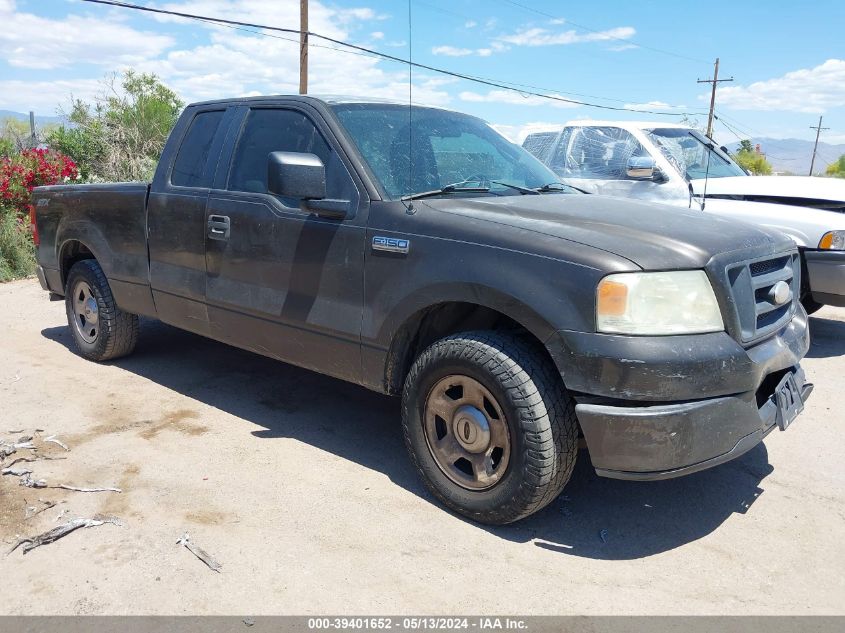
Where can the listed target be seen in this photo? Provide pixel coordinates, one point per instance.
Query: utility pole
(818, 128)
(303, 47)
(33, 141)
(713, 81)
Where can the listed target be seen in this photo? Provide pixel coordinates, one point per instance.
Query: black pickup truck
(415, 251)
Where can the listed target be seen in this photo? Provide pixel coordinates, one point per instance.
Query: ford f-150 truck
(415, 251)
(677, 165)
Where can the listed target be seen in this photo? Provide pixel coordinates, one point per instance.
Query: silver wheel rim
(466, 432)
(86, 312)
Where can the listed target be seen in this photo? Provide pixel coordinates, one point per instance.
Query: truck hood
(797, 190)
(652, 236)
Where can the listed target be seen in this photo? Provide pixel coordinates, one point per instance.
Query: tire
(101, 331)
(809, 305)
(479, 377)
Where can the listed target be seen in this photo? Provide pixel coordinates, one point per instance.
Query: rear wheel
(489, 426)
(100, 330)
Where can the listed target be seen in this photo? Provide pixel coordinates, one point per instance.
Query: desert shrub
(17, 255)
(122, 134)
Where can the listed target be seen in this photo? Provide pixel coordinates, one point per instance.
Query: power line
(729, 128)
(721, 120)
(748, 131)
(523, 85)
(379, 54)
(603, 33)
(439, 9)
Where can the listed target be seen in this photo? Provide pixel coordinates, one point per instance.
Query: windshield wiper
(523, 190)
(558, 186)
(443, 190)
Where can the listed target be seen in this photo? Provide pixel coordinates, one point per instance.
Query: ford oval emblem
(780, 293)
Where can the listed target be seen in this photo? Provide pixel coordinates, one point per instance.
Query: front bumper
(660, 407)
(826, 274)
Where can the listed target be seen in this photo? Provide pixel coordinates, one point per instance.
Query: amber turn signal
(612, 298)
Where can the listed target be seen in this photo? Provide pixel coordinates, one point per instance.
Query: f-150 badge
(391, 244)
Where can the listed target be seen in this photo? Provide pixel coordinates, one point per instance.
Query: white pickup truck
(678, 165)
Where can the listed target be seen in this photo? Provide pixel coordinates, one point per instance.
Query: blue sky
(788, 60)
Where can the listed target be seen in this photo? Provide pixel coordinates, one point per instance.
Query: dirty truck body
(511, 313)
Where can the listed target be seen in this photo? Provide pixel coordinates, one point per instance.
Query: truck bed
(110, 219)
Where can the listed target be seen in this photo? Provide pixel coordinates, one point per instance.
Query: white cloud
(514, 98)
(451, 51)
(217, 62)
(654, 105)
(834, 139)
(46, 97)
(377, 35)
(538, 36)
(811, 90)
(470, 24)
(31, 41)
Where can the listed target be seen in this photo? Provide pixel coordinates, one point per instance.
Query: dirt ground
(299, 486)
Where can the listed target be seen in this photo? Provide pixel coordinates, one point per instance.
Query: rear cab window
(191, 167)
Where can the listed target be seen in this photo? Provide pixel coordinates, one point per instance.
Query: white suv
(677, 165)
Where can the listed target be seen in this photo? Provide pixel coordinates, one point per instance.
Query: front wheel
(489, 426)
(100, 330)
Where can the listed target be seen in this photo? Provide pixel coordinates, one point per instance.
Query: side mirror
(640, 168)
(296, 175)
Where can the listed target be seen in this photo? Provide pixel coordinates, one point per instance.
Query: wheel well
(72, 252)
(431, 324)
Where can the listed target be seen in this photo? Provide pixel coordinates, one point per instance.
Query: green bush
(17, 253)
(122, 134)
(837, 168)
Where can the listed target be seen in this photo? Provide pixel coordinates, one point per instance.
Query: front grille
(767, 265)
(753, 284)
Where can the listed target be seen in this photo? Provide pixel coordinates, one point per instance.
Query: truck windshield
(689, 152)
(418, 150)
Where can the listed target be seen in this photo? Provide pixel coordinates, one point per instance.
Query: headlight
(680, 302)
(833, 241)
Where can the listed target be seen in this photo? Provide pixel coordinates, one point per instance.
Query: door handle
(219, 227)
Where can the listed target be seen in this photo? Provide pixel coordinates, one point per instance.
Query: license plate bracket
(789, 401)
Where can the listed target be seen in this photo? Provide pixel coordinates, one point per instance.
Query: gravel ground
(300, 487)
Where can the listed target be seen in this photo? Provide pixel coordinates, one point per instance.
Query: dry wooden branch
(75, 489)
(53, 439)
(15, 472)
(51, 536)
(199, 553)
(29, 482)
(37, 458)
(49, 504)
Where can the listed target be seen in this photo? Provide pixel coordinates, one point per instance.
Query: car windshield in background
(689, 153)
(448, 149)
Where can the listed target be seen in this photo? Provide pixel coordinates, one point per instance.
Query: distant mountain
(24, 116)
(793, 155)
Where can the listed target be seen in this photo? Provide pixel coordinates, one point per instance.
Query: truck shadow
(827, 338)
(596, 518)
